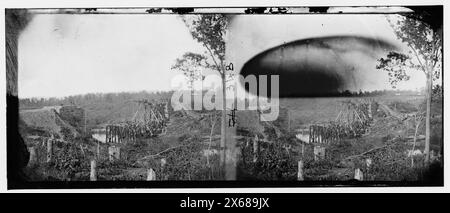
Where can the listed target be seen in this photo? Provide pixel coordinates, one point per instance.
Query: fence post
(300, 171)
(107, 134)
(368, 163)
(98, 150)
(151, 175)
(319, 153)
(49, 150)
(255, 149)
(113, 153)
(303, 149)
(163, 166)
(163, 162)
(33, 156)
(359, 175)
(93, 170)
(310, 134)
(320, 139)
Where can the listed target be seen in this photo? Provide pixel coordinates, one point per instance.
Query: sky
(257, 33)
(61, 55)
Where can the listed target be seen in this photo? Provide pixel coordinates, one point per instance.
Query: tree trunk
(428, 117)
(223, 126)
(417, 123)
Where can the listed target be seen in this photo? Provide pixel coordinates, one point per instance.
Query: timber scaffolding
(149, 122)
(323, 134)
(118, 133)
(352, 121)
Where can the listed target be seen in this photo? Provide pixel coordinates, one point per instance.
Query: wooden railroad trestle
(119, 133)
(323, 134)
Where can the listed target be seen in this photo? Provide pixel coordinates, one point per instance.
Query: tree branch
(368, 151)
(213, 58)
(418, 59)
(159, 153)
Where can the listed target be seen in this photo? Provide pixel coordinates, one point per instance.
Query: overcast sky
(253, 34)
(62, 55)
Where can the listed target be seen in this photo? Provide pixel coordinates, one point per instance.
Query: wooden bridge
(323, 134)
(150, 121)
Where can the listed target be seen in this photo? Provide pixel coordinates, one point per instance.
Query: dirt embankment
(48, 121)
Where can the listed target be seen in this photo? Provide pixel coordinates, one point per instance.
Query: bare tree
(191, 65)
(425, 54)
(210, 31)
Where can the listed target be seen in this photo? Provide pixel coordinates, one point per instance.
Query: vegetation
(210, 31)
(100, 107)
(187, 150)
(425, 55)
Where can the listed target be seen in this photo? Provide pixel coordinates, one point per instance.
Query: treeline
(91, 98)
(360, 93)
(100, 108)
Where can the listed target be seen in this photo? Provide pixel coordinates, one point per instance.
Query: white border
(215, 3)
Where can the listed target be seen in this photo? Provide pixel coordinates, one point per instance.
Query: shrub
(275, 162)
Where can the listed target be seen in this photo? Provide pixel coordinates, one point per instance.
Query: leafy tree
(191, 65)
(210, 31)
(425, 54)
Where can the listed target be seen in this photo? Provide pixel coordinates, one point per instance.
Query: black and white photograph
(148, 97)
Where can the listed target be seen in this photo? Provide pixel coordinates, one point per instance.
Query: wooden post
(163, 165)
(151, 175)
(255, 149)
(300, 171)
(320, 134)
(368, 163)
(359, 175)
(113, 153)
(303, 149)
(316, 135)
(119, 134)
(319, 153)
(163, 162)
(107, 134)
(49, 150)
(98, 150)
(310, 134)
(93, 170)
(166, 110)
(114, 134)
(316, 153)
(33, 156)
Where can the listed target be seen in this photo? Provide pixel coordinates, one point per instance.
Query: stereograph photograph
(224, 97)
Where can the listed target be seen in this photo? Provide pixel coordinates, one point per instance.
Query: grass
(187, 163)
